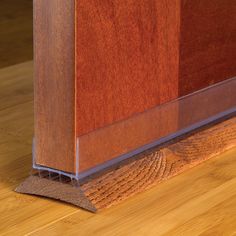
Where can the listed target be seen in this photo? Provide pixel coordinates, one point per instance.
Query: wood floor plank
(16, 85)
(25, 219)
(17, 121)
(227, 225)
(209, 222)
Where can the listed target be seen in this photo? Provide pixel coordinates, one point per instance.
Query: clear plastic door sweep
(121, 140)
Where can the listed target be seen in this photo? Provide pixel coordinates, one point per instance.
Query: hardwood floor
(201, 201)
(16, 37)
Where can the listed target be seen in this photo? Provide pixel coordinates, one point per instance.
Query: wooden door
(99, 62)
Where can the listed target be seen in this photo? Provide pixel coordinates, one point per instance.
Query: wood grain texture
(121, 138)
(56, 190)
(16, 32)
(207, 43)
(143, 171)
(110, 143)
(15, 85)
(127, 58)
(54, 84)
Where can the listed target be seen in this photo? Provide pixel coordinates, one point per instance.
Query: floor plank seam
(51, 223)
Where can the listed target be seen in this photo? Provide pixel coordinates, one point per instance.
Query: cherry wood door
(127, 58)
(207, 43)
(98, 62)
